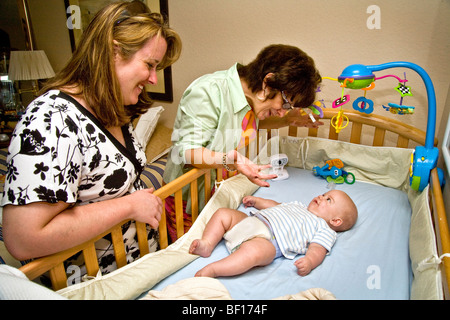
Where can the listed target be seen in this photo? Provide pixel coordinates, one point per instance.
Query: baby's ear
(336, 222)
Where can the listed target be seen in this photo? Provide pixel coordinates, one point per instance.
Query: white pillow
(146, 124)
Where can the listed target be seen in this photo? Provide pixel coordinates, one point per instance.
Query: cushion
(153, 172)
(159, 143)
(147, 123)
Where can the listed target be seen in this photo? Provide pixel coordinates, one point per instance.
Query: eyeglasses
(286, 105)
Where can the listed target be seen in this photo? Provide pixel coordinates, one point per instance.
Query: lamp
(29, 65)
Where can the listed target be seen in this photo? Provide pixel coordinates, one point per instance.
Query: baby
(275, 230)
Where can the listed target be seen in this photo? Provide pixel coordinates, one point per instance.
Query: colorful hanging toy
(359, 76)
(400, 108)
(340, 121)
(363, 104)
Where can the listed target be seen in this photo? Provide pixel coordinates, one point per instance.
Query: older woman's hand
(251, 170)
(297, 119)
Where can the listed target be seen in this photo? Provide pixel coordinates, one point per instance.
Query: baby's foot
(201, 248)
(207, 271)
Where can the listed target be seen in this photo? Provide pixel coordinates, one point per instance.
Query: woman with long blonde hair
(74, 161)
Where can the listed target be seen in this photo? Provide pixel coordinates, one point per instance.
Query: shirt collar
(237, 91)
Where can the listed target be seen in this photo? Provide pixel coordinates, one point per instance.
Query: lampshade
(29, 65)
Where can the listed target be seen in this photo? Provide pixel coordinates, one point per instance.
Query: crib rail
(55, 263)
(442, 229)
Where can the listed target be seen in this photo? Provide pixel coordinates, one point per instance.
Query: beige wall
(50, 31)
(218, 33)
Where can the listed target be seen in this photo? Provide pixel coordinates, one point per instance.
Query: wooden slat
(119, 247)
(58, 277)
(378, 137)
(219, 174)
(312, 132)
(402, 142)
(141, 230)
(91, 260)
(179, 219)
(207, 186)
(163, 238)
(332, 135)
(355, 136)
(292, 131)
(194, 200)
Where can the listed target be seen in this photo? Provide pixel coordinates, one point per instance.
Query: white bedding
(371, 261)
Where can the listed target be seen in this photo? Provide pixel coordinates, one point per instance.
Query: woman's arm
(205, 158)
(40, 228)
(292, 118)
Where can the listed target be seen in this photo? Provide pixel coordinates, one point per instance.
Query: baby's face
(328, 205)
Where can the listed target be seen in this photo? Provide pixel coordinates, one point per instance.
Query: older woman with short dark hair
(219, 112)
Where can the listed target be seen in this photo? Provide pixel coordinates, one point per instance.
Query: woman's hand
(146, 207)
(296, 119)
(205, 158)
(293, 118)
(249, 169)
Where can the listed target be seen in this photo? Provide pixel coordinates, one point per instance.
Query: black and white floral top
(60, 152)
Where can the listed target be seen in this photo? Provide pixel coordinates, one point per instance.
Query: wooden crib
(356, 132)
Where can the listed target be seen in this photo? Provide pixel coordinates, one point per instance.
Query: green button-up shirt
(209, 115)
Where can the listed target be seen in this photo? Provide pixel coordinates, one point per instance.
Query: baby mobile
(359, 76)
(361, 104)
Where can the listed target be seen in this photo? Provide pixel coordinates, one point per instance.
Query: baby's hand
(249, 201)
(303, 266)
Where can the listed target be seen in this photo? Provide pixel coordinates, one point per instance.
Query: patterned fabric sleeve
(44, 156)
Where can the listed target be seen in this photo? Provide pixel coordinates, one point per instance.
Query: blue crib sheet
(370, 261)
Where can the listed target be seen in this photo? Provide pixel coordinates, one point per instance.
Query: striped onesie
(295, 228)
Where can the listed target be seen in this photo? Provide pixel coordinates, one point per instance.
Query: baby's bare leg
(256, 252)
(223, 220)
